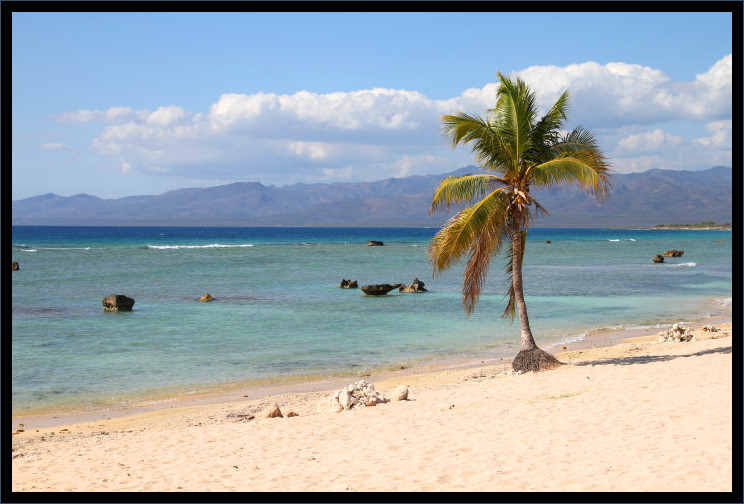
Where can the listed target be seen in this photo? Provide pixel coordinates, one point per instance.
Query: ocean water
(278, 314)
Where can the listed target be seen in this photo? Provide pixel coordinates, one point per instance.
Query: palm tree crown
(520, 151)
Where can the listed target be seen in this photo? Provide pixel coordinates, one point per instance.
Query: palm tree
(520, 151)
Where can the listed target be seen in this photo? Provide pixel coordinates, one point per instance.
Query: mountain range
(637, 200)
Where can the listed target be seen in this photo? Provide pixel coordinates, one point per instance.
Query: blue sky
(118, 104)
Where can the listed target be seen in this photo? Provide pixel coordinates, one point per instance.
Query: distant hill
(637, 199)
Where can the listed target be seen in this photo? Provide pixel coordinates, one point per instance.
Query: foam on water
(212, 245)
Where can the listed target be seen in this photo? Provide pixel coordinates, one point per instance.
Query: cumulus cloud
(660, 149)
(376, 133)
(622, 93)
(652, 141)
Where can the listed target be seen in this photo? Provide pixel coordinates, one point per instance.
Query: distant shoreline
(705, 225)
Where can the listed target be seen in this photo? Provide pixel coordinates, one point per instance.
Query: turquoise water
(279, 315)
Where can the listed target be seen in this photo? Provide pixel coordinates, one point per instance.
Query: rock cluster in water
(416, 286)
(676, 333)
(348, 284)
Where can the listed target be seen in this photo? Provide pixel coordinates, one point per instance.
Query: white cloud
(720, 135)
(56, 146)
(377, 133)
(622, 93)
(648, 142)
(660, 149)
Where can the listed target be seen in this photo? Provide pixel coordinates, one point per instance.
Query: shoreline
(236, 392)
(642, 416)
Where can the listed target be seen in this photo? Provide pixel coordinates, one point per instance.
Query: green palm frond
(546, 131)
(587, 170)
(515, 112)
(490, 148)
(464, 189)
(461, 232)
(464, 128)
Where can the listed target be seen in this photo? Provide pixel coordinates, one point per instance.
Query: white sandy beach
(638, 416)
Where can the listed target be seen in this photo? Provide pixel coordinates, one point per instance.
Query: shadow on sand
(647, 359)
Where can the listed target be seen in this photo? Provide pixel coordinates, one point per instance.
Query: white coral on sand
(676, 333)
(361, 393)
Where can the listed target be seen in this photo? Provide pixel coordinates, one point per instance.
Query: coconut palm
(519, 151)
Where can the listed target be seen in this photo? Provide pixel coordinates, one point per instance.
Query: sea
(278, 315)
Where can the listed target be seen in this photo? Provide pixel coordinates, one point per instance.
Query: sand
(637, 416)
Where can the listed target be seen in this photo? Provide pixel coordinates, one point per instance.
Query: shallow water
(278, 312)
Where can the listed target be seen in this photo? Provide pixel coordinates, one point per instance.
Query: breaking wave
(213, 245)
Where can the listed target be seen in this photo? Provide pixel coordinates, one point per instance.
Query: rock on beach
(399, 394)
(272, 411)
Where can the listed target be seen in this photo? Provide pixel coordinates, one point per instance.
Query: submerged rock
(674, 253)
(375, 243)
(658, 258)
(348, 284)
(206, 298)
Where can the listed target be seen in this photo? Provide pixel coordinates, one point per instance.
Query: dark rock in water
(206, 298)
(547, 241)
(16, 266)
(658, 258)
(674, 253)
(348, 284)
(416, 286)
(374, 243)
(378, 289)
(117, 302)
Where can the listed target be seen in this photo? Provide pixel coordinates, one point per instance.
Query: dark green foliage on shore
(700, 225)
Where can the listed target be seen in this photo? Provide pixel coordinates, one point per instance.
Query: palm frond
(490, 149)
(546, 131)
(514, 114)
(464, 128)
(464, 189)
(487, 245)
(461, 231)
(587, 170)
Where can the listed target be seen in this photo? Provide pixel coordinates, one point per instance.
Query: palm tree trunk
(527, 342)
(530, 357)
